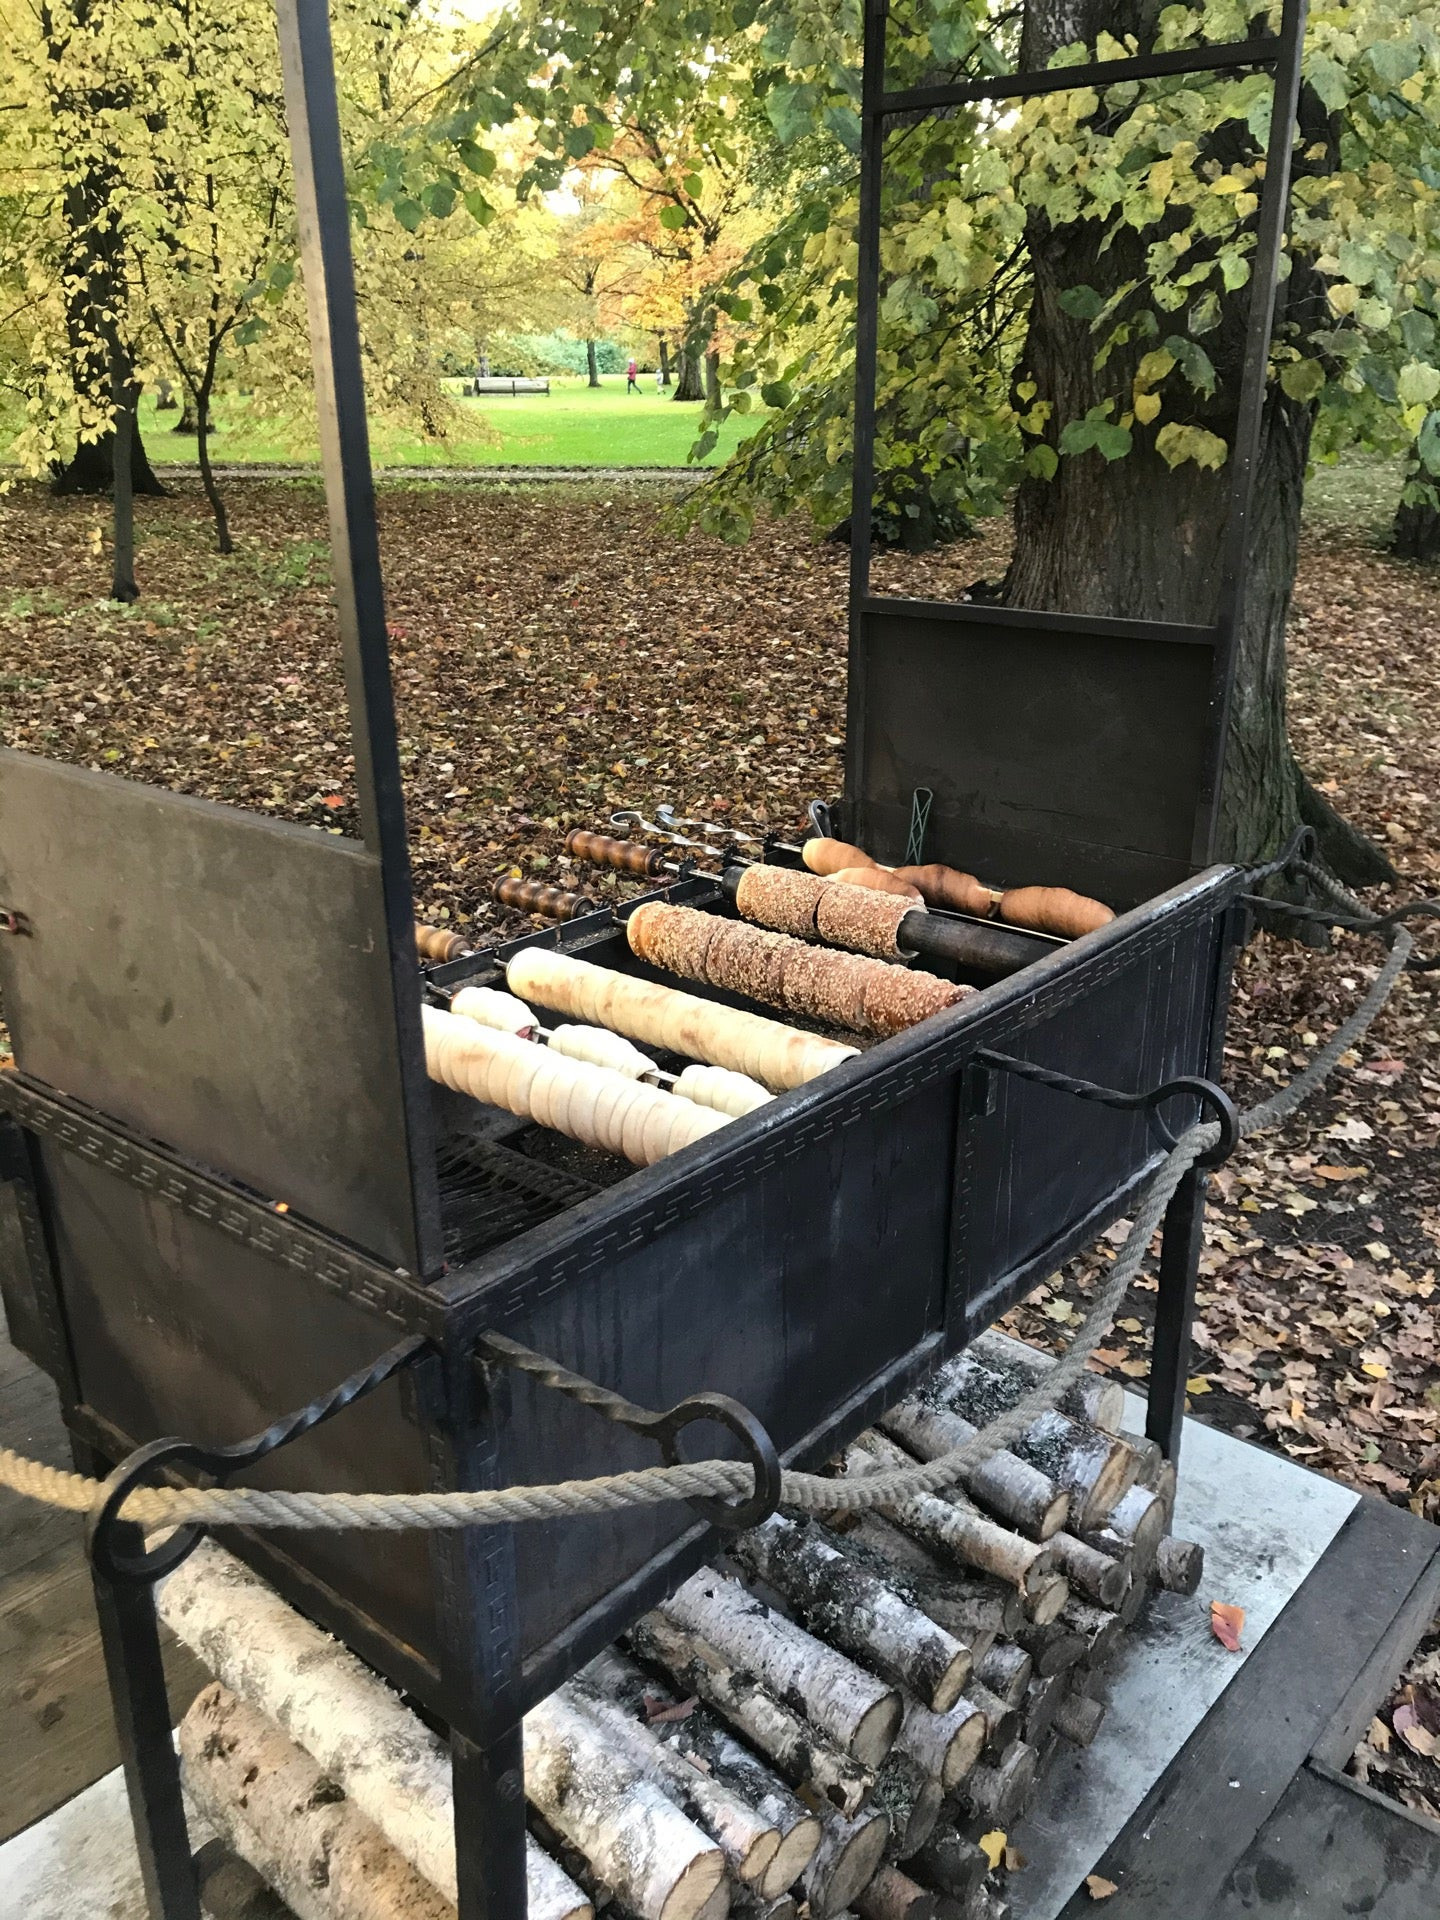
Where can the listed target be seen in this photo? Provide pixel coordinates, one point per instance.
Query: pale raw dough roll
(491, 1008)
(590, 1104)
(840, 989)
(779, 897)
(603, 1049)
(726, 1092)
(676, 1022)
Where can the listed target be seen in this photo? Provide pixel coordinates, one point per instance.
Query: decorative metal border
(249, 1222)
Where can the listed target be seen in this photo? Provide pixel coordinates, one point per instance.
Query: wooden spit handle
(535, 896)
(434, 943)
(625, 856)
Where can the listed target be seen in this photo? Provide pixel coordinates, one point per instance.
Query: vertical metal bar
(130, 1638)
(324, 218)
(867, 303)
(478, 1636)
(1264, 282)
(1174, 1311)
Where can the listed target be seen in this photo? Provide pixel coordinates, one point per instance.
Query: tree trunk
(165, 401)
(1134, 538)
(223, 542)
(592, 365)
(122, 583)
(187, 422)
(664, 361)
(712, 378)
(1416, 531)
(91, 468)
(689, 384)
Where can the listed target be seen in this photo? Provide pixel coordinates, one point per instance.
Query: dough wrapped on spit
(839, 989)
(1055, 910)
(594, 1105)
(766, 1050)
(716, 1087)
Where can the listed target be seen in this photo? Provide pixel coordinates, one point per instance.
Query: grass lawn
(571, 426)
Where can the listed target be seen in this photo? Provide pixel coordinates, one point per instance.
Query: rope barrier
(159, 1507)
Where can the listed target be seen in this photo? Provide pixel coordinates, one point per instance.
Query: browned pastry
(880, 880)
(1054, 910)
(833, 856)
(434, 943)
(780, 898)
(866, 922)
(842, 989)
(949, 889)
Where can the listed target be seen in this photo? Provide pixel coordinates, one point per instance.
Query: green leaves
(1082, 303)
(1176, 444)
(1193, 362)
(1110, 440)
(1303, 380)
(673, 218)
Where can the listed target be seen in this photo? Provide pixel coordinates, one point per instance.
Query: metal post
(477, 1629)
(1264, 284)
(324, 219)
(130, 1638)
(1174, 1312)
(867, 302)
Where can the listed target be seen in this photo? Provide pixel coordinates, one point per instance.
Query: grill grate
(490, 1193)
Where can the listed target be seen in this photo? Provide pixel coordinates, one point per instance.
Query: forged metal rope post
(664, 1428)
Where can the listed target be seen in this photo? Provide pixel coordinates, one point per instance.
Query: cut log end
(893, 1895)
(847, 1861)
(1179, 1566)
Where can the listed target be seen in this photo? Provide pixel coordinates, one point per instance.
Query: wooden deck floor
(56, 1735)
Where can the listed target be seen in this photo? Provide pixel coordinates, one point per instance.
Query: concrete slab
(80, 1862)
(1263, 1522)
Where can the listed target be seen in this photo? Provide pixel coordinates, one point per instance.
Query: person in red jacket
(632, 385)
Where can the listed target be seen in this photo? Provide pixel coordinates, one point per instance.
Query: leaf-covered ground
(558, 655)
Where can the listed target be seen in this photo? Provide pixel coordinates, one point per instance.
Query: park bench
(497, 383)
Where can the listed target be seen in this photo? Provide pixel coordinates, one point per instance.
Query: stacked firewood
(830, 1721)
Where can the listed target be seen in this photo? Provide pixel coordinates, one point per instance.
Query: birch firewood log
(911, 1800)
(1179, 1565)
(1002, 1722)
(1131, 1531)
(893, 1895)
(1004, 1484)
(769, 1051)
(277, 1810)
(843, 1603)
(788, 1740)
(1093, 1467)
(1149, 1458)
(1078, 1718)
(1095, 1574)
(397, 1771)
(1006, 1670)
(747, 1838)
(1094, 1400)
(637, 1840)
(1054, 1648)
(1101, 1630)
(747, 1904)
(846, 1860)
(700, 1744)
(1043, 1698)
(946, 1745)
(590, 1104)
(851, 1707)
(947, 1527)
(1000, 1792)
(952, 1863)
(973, 1606)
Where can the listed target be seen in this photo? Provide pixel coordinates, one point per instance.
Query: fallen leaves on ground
(1227, 1623)
(1400, 1754)
(1098, 1887)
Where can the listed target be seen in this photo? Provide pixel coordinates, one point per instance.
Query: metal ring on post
(1226, 1115)
(105, 1517)
(760, 1448)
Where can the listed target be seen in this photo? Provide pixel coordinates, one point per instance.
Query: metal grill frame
(1135, 1005)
